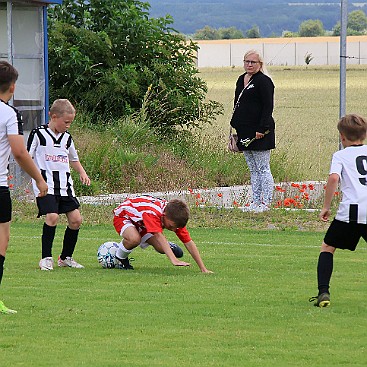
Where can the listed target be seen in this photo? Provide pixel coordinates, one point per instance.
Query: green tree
(357, 21)
(311, 28)
(209, 33)
(336, 29)
(107, 56)
(289, 34)
(230, 33)
(206, 33)
(254, 32)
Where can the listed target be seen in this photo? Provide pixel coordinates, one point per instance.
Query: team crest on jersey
(56, 158)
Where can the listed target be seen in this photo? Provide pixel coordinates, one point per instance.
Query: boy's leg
(47, 206)
(325, 268)
(47, 240)
(341, 235)
(177, 250)
(4, 237)
(131, 239)
(48, 235)
(70, 240)
(2, 260)
(4, 240)
(324, 272)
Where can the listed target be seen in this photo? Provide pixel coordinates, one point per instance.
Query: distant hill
(271, 16)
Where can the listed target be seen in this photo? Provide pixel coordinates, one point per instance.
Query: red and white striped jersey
(145, 212)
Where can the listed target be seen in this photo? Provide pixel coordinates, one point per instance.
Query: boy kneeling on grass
(349, 166)
(140, 221)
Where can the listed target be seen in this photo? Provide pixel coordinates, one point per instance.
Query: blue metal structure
(23, 42)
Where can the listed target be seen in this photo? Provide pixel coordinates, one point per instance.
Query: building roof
(44, 2)
(35, 2)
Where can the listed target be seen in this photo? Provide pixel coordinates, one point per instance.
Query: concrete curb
(220, 197)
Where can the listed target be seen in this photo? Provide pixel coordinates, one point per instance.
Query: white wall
(282, 51)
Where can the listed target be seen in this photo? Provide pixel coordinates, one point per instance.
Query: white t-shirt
(10, 124)
(52, 154)
(351, 166)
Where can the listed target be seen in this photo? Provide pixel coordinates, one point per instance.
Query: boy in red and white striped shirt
(140, 221)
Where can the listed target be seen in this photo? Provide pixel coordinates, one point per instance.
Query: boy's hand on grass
(206, 271)
(181, 263)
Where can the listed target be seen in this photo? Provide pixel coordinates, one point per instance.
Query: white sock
(122, 252)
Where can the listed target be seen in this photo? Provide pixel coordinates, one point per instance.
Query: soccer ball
(106, 255)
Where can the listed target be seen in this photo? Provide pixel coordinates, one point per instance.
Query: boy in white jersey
(140, 221)
(11, 141)
(53, 151)
(349, 167)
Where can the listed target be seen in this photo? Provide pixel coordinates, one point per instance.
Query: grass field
(253, 311)
(306, 111)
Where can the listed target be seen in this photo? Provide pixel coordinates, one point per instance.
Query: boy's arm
(194, 252)
(331, 187)
(76, 165)
(25, 161)
(162, 240)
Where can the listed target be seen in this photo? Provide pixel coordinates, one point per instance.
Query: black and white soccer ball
(106, 255)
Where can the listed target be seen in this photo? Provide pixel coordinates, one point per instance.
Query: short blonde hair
(263, 68)
(61, 106)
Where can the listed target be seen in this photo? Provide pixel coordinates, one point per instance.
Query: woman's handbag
(232, 142)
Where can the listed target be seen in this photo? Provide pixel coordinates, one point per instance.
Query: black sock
(324, 271)
(48, 236)
(70, 238)
(2, 259)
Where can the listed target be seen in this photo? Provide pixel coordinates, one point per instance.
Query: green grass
(253, 311)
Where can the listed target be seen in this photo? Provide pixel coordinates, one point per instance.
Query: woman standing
(252, 119)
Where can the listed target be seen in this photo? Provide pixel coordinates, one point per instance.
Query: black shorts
(5, 206)
(56, 204)
(345, 235)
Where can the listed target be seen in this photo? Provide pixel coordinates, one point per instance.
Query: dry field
(307, 106)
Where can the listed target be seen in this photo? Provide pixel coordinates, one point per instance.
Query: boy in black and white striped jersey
(53, 151)
(349, 168)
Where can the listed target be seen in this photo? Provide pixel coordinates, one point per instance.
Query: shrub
(105, 56)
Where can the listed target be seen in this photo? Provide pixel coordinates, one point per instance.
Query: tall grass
(306, 112)
(130, 156)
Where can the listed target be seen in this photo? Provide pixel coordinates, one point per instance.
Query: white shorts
(143, 243)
